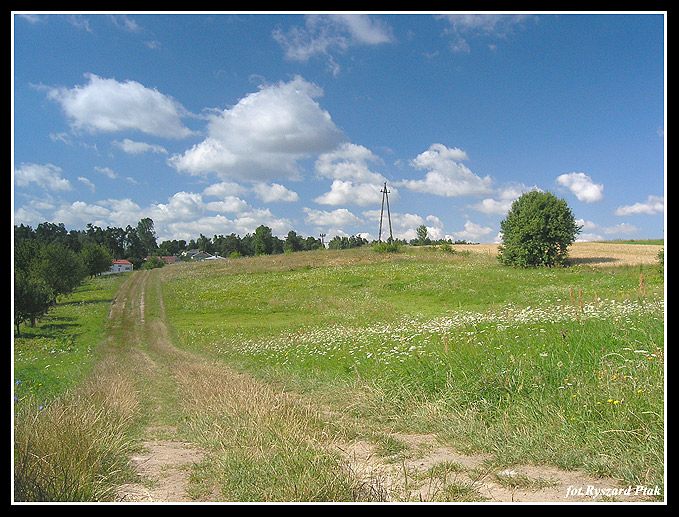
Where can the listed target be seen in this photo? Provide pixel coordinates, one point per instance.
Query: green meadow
(561, 366)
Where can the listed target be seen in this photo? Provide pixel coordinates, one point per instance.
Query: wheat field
(591, 253)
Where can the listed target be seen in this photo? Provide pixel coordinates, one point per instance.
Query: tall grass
(267, 445)
(74, 407)
(76, 447)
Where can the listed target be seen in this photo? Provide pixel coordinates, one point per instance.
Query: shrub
(386, 247)
(537, 231)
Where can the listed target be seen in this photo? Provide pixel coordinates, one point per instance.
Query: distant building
(199, 255)
(120, 266)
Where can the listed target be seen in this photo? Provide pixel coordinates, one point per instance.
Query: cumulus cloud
(108, 105)
(225, 188)
(405, 225)
(264, 135)
(184, 216)
(473, 232)
(653, 205)
(582, 186)
(79, 213)
(340, 217)
(47, 176)
(349, 193)
(594, 232)
(274, 193)
(505, 197)
(447, 177)
(353, 181)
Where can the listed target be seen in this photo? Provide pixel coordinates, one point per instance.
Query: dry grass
(591, 253)
(73, 449)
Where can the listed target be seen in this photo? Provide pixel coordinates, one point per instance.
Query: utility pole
(385, 195)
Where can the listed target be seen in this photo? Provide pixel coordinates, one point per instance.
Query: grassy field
(561, 367)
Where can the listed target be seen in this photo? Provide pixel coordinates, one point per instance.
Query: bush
(386, 247)
(153, 263)
(537, 231)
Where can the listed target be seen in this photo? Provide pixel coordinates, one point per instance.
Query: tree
(153, 263)
(135, 251)
(96, 258)
(32, 299)
(537, 231)
(422, 238)
(60, 268)
(263, 241)
(293, 242)
(147, 235)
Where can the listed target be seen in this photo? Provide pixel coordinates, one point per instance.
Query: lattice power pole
(385, 195)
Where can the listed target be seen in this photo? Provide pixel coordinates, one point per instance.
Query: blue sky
(215, 123)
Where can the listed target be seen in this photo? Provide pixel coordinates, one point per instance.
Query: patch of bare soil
(435, 473)
(163, 469)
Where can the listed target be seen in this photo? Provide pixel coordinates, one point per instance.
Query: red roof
(122, 261)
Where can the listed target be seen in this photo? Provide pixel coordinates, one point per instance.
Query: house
(199, 255)
(120, 266)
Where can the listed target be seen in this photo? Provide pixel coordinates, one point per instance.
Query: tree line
(50, 260)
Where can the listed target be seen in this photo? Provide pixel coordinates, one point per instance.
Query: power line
(385, 195)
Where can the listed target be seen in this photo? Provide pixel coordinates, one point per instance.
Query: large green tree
(96, 258)
(537, 231)
(263, 241)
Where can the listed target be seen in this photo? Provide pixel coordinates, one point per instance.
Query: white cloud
(462, 27)
(219, 225)
(354, 183)
(228, 204)
(184, 216)
(349, 193)
(182, 205)
(472, 232)
(132, 147)
(327, 34)
(653, 205)
(225, 188)
(338, 218)
(47, 176)
(264, 135)
(494, 207)
(582, 186)
(405, 225)
(108, 105)
(446, 177)
(79, 213)
(506, 196)
(592, 231)
(107, 171)
(86, 182)
(274, 193)
(349, 162)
